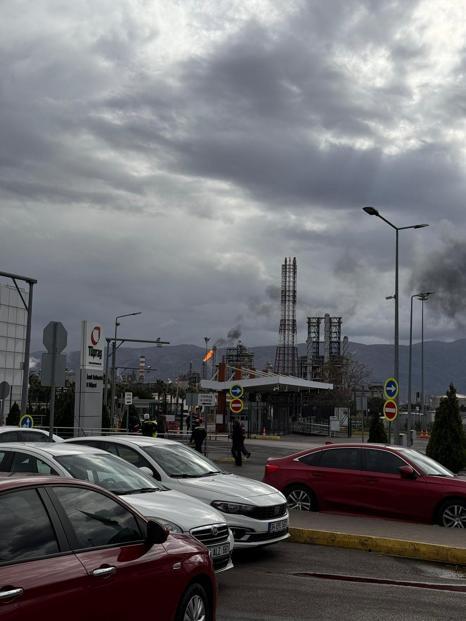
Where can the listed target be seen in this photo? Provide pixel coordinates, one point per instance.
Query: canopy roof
(267, 383)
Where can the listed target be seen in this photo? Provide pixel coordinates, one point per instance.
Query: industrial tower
(286, 355)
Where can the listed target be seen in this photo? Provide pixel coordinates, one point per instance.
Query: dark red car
(72, 551)
(370, 478)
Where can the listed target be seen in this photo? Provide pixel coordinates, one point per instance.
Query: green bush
(376, 427)
(447, 443)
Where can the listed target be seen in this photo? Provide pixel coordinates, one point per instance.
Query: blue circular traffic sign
(390, 388)
(236, 391)
(26, 421)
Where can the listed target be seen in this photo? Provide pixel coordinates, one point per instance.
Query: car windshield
(179, 461)
(426, 464)
(110, 472)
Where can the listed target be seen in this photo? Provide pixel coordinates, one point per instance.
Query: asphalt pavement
(291, 582)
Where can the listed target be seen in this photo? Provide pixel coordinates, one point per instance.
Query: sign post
(54, 338)
(89, 381)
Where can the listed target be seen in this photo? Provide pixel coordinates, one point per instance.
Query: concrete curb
(258, 437)
(382, 545)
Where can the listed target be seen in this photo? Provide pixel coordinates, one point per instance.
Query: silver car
(256, 513)
(178, 512)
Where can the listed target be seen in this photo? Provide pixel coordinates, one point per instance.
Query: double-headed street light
(423, 296)
(373, 212)
(114, 347)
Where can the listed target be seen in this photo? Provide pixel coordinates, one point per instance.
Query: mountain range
(444, 362)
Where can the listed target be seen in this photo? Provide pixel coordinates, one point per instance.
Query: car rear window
(342, 458)
(312, 459)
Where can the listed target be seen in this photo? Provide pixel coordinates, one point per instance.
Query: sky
(164, 156)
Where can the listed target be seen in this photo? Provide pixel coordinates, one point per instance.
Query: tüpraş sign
(92, 346)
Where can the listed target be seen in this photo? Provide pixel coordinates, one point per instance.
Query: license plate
(218, 551)
(276, 527)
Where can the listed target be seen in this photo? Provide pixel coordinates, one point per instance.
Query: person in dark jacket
(149, 427)
(198, 435)
(237, 443)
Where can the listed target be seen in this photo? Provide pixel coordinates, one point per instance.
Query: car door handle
(101, 572)
(12, 592)
(371, 480)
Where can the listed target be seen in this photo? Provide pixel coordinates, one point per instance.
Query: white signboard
(208, 399)
(334, 424)
(92, 346)
(128, 398)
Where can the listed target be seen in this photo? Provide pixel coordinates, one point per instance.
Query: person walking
(237, 443)
(198, 435)
(149, 427)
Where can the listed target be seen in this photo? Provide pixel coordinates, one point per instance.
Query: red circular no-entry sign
(236, 406)
(390, 410)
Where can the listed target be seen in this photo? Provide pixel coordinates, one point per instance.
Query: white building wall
(13, 320)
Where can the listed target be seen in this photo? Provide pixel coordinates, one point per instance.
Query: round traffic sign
(236, 391)
(26, 421)
(390, 410)
(390, 388)
(236, 406)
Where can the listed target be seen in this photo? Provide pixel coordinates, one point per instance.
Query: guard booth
(271, 402)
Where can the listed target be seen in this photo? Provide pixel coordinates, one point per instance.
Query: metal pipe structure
(396, 372)
(27, 347)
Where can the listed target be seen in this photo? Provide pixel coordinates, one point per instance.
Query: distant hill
(443, 362)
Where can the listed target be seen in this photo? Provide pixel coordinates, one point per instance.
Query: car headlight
(170, 526)
(232, 507)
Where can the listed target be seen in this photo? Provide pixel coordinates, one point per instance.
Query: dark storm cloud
(258, 141)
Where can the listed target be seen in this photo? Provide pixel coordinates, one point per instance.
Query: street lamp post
(420, 296)
(114, 347)
(374, 212)
(423, 297)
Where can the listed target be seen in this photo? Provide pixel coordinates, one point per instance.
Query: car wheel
(300, 498)
(452, 513)
(194, 605)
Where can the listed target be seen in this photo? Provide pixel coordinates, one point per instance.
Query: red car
(371, 478)
(70, 550)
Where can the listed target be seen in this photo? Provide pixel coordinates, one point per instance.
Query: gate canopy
(267, 383)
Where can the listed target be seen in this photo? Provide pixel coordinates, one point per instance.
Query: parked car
(177, 512)
(256, 513)
(70, 550)
(371, 478)
(10, 433)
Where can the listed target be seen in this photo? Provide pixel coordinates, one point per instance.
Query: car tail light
(269, 468)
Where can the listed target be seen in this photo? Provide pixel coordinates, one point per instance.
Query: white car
(256, 513)
(178, 512)
(10, 433)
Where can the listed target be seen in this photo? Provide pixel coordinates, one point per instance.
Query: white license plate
(276, 527)
(218, 551)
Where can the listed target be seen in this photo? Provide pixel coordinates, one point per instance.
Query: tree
(447, 443)
(376, 428)
(14, 415)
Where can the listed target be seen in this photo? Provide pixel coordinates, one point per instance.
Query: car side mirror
(155, 533)
(146, 470)
(407, 472)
